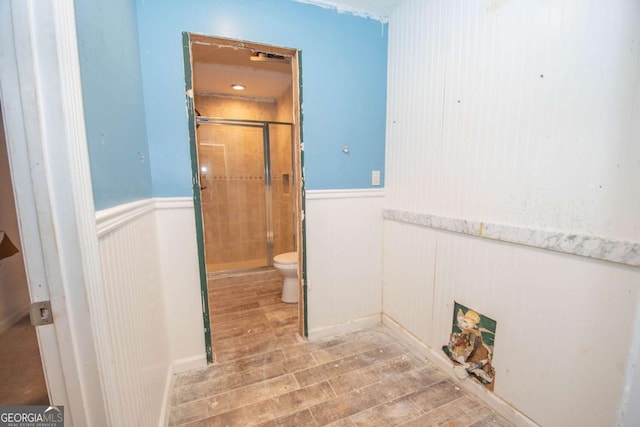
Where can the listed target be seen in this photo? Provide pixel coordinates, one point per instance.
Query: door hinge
(40, 313)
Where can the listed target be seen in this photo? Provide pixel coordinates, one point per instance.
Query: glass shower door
(282, 188)
(232, 182)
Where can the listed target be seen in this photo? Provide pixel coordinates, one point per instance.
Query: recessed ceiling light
(238, 87)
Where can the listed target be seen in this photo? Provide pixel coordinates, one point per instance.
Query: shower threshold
(232, 277)
(225, 267)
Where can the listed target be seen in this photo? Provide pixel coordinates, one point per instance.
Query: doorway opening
(22, 379)
(243, 100)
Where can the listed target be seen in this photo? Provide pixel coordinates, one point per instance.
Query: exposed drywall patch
(470, 345)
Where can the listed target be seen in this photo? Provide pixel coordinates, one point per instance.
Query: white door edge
(46, 141)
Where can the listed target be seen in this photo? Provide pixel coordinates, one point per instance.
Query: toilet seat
(287, 266)
(286, 258)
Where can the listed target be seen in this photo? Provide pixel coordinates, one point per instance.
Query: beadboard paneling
(134, 301)
(178, 251)
(564, 323)
(344, 258)
(524, 114)
(520, 113)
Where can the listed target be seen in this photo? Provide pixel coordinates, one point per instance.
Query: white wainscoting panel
(135, 303)
(176, 230)
(565, 324)
(521, 113)
(524, 116)
(344, 258)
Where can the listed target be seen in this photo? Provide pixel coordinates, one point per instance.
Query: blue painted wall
(344, 60)
(113, 101)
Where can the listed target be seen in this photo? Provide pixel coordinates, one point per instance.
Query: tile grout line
(280, 358)
(433, 409)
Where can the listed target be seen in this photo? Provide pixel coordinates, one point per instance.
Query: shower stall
(247, 191)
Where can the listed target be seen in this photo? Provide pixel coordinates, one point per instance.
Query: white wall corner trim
(110, 219)
(344, 194)
(491, 399)
(173, 202)
(618, 251)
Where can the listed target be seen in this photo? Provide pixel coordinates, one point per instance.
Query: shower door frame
(298, 170)
(266, 146)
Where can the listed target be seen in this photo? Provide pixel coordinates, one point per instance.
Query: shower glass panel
(232, 182)
(282, 188)
(247, 192)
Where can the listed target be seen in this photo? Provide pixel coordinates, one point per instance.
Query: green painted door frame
(195, 178)
(303, 206)
(197, 203)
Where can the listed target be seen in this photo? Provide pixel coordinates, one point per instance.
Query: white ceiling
(375, 9)
(216, 68)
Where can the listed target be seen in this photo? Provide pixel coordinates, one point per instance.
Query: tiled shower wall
(233, 182)
(282, 177)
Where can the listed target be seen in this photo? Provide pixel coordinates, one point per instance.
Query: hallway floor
(21, 377)
(264, 375)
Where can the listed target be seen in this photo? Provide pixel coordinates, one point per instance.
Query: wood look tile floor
(21, 377)
(264, 375)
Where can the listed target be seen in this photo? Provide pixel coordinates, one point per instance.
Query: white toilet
(287, 265)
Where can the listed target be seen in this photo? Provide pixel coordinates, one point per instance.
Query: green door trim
(305, 326)
(195, 178)
(197, 203)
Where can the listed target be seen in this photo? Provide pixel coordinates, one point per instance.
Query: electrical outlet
(375, 177)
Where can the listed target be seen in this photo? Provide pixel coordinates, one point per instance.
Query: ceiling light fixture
(238, 87)
(269, 57)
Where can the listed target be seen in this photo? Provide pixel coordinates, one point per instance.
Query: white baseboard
(437, 357)
(343, 328)
(189, 363)
(12, 319)
(176, 367)
(166, 398)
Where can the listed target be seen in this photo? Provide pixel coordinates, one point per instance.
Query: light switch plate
(375, 177)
